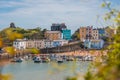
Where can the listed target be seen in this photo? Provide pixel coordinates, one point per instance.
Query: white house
(19, 44)
(23, 44)
(48, 44)
(39, 44)
(57, 43)
(95, 34)
(97, 44)
(35, 44)
(94, 44)
(87, 43)
(54, 43)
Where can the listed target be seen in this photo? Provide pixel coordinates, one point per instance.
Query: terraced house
(53, 35)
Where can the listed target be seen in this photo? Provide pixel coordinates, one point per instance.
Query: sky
(42, 13)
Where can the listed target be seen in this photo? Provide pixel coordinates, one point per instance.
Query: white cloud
(31, 13)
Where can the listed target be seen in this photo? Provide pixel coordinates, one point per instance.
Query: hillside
(8, 34)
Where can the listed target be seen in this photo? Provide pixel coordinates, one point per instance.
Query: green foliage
(89, 76)
(76, 35)
(34, 51)
(109, 68)
(71, 78)
(10, 34)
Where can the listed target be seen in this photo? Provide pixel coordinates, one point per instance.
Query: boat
(26, 58)
(70, 59)
(79, 58)
(64, 57)
(88, 58)
(37, 60)
(59, 60)
(45, 60)
(17, 59)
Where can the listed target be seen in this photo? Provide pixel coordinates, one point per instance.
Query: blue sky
(34, 13)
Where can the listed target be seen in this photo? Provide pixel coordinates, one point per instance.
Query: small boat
(45, 60)
(64, 57)
(59, 60)
(70, 59)
(88, 58)
(26, 58)
(79, 58)
(37, 60)
(34, 58)
(17, 59)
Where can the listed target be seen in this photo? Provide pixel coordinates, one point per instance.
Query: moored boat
(45, 60)
(88, 58)
(59, 60)
(37, 60)
(70, 59)
(17, 59)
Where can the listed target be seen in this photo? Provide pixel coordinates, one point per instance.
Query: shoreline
(72, 53)
(4, 62)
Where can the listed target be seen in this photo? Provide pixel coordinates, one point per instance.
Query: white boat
(26, 57)
(17, 59)
(70, 59)
(37, 60)
(45, 60)
(59, 60)
(88, 58)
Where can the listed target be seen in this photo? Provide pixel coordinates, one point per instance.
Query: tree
(110, 68)
(10, 35)
(76, 35)
(34, 51)
(43, 32)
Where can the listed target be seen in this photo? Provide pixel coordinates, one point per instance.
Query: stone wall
(66, 48)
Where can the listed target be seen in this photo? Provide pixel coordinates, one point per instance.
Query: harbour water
(28, 70)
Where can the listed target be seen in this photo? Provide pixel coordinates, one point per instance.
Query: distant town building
(66, 34)
(89, 32)
(97, 44)
(48, 44)
(30, 44)
(94, 44)
(85, 33)
(23, 44)
(19, 44)
(58, 27)
(53, 35)
(57, 43)
(82, 32)
(101, 32)
(95, 34)
(38, 44)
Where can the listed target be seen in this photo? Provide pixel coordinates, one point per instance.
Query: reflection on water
(29, 70)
